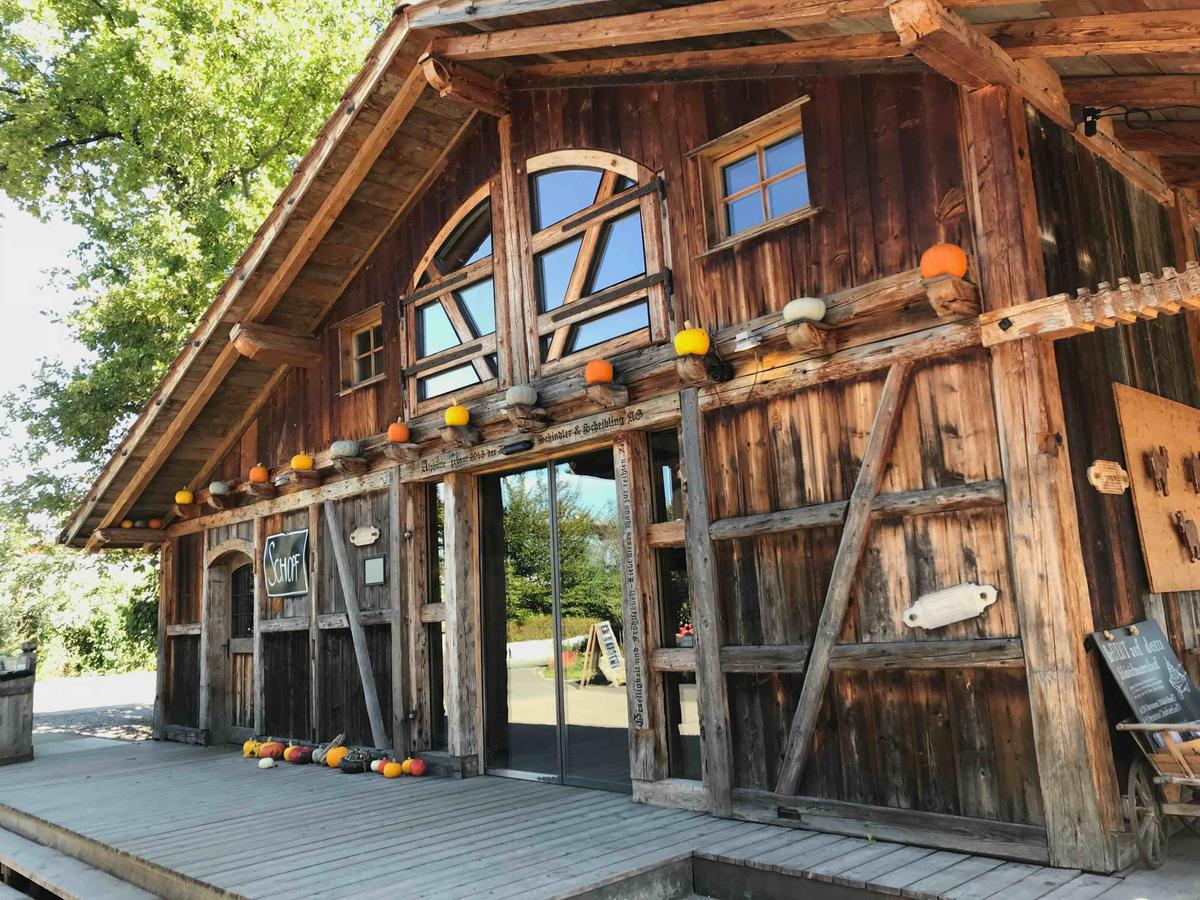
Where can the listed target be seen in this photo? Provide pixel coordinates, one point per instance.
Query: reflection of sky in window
(554, 269)
(482, 251)
(434, 331)
(784, 155)
(741, 174)
(622, 255)
(448, 380)
(562, 192)
(745, 212)
(613, 324)
(788, 194)
(479, 303)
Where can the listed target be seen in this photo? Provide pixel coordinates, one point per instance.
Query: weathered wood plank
(462, 617)
(341, 558)
(837, 599)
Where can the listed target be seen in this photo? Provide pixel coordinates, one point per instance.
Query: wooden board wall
(343, 709)
(357, 512)
(182, 704)
(945, 740)
(885, 169)
(286, 685)
(1098, 227)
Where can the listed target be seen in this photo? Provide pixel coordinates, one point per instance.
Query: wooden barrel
(16, 705)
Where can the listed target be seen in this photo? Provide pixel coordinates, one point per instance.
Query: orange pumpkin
(259, 474)
(399, 433)
(155, 523)
(943, 259)
(598, 371)
(126, 523)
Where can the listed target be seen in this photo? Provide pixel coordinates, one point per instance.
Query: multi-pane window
(756, 177)
(241, 602)
(362, 350)
(598, 276)
(452, 312)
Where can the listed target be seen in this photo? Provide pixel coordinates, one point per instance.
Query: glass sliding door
(555, 705)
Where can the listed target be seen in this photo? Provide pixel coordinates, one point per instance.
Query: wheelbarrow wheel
(1144, 810)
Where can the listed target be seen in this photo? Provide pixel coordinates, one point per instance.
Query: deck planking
(230, 829)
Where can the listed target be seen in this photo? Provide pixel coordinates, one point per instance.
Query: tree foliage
(165, 129)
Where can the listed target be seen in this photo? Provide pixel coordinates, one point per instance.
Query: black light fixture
(1091, 115)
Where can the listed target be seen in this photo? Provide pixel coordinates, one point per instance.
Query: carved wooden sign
(1160, 439)
(631, 596)
(1108, 477)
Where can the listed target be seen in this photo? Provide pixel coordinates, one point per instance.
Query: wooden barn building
(712, 402)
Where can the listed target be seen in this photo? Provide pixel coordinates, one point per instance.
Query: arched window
(599, 278)
(241, 602)
(451, 311)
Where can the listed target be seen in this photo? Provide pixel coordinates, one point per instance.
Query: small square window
(361, 340)
(756, 177)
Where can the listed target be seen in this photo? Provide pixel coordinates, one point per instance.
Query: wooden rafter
(845, 564)
(1160, 31)
(277, 346)
(1159, 136)
(1062, 315)
(1180, 171)
(458, 82)
(1134, 90)
(947, 44)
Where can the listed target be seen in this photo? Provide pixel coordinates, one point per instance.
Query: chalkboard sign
(285, 564)
(1149, 673)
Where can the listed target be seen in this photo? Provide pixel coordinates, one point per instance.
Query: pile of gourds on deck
(334, 755)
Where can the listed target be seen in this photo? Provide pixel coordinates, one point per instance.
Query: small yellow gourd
(183, 498)
(692, 341)
(457, 415)
(302, 462)
(126, 523)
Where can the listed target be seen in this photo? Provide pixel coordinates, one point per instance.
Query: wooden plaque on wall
(1149, 422)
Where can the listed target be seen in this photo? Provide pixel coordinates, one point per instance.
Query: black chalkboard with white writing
(285, 564)
(1148, 673)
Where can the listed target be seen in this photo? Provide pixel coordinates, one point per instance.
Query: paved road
(110, 706)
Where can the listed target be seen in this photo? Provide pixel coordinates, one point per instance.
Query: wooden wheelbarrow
(1163, 781)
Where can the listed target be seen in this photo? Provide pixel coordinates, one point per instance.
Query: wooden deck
(186, 821)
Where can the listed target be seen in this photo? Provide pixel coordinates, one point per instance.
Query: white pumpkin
(520, 395)
(220, 488)
(342, 449)
(266, 763)
(804, 309)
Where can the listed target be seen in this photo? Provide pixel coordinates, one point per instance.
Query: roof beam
(438, 13)
(465, 85)
(748, 60)
(1180, 171)
(1134, 90)
(1161, 31)
(1159, 137)
(947, 44)
(268, 344)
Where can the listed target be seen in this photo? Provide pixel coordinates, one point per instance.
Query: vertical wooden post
(166, 597)
(260, 598)
(314, 610)
(462, 618)
(395, 530)
(515, 281)
(849, 554)
(1075, 764)
(415, 568)
(711, 690)
(639, 594)
(214, 652)
(362, 656)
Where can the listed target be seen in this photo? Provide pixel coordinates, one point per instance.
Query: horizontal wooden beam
(907, 826)
(1134, 90)
(1159, 136)
(665, 534)
(753, 59)
(1160, 31)
(283, 624)
(947, 44)
(984, 653)
(439, 13)
(187, 629)
(1062, 315)
(433, 612)
(276, 346)
(978, 494)
(673, 659)
(458, 82)
(129, 537)
(1181, 171)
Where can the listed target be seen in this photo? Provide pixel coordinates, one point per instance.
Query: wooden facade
(824, 488)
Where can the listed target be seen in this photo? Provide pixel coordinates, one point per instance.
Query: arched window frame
(440, 288)
(554, 326)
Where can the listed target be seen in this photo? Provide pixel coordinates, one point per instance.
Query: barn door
(241, 652)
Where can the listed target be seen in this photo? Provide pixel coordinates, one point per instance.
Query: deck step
(64, 875)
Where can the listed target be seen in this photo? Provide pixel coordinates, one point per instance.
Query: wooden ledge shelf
(527, 419)
(950, 296)
(260, 491)
(187, 510)
(351, 465)
(401, 452)
(1061, 315)
(290, 480)
(460, 435)
(610, 396)
(130, 537)
(220, 502)
(811, 337)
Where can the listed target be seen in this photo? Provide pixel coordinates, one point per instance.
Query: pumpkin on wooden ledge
(695, 360)
(185, 504)
(458, 431)
(155, 523)
(400, 446)
(802, 323)
(258, 482)
(520, 405)
(942, 269)
(300, 474)
(598, 384)
(126, 523)
(221, 496)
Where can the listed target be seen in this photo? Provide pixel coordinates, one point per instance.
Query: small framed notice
(374, 570)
